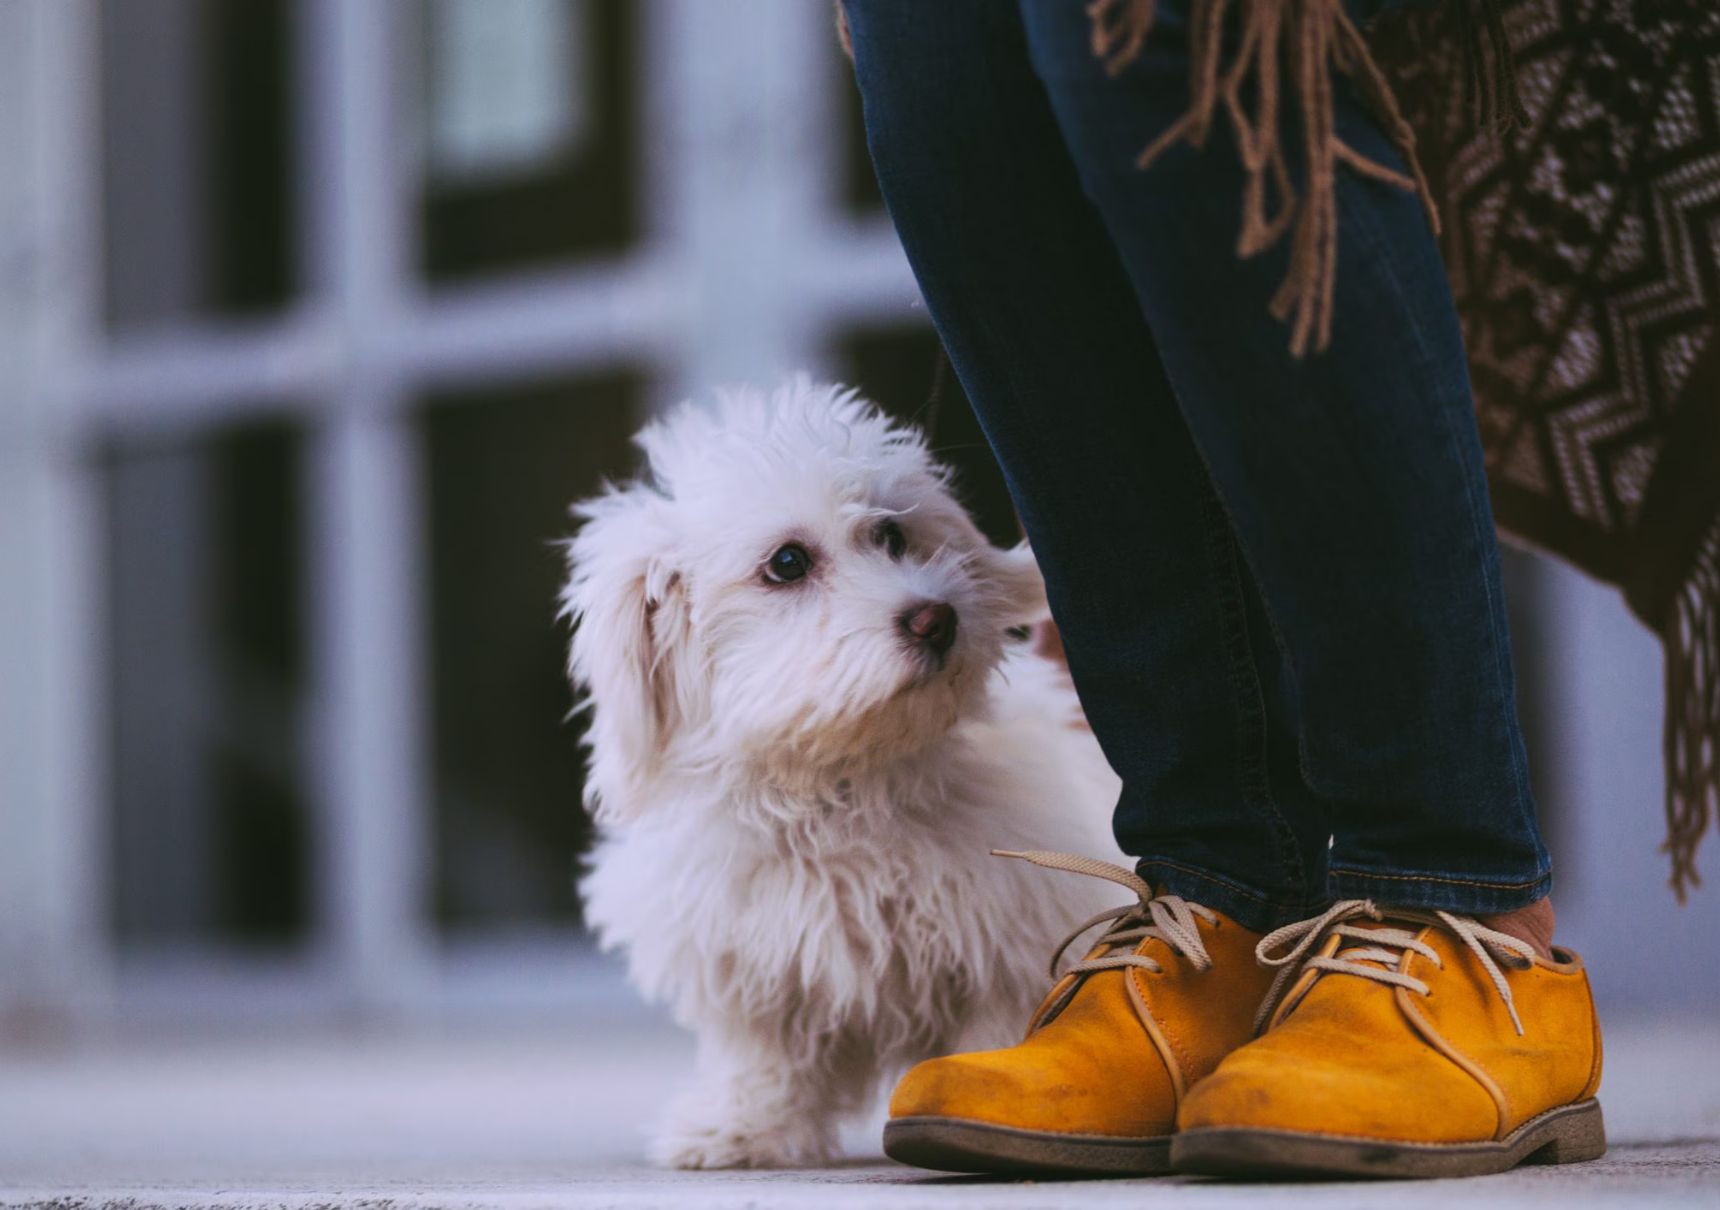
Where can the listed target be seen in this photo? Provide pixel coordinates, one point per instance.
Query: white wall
(1602, 691)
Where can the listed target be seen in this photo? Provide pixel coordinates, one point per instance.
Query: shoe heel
(1577, 1136)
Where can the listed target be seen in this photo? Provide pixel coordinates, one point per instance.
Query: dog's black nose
(930, 623)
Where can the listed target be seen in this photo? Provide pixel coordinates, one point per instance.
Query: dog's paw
(719, 1147)
(708, 1150)
(741, 1145)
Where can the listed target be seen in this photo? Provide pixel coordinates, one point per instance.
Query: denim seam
(1357, 872)
(1289, 658)
(1246, 696)
(1290, 671)
(1246, 693)
(1218, 879)
(1239, 562)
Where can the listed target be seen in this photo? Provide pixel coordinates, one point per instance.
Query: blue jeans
(1276, 579)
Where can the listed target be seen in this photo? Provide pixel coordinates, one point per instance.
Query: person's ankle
(1533, 924)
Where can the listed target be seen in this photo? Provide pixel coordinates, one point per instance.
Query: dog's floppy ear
(1017, 572)
(624, 599)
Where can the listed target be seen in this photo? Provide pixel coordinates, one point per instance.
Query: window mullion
(365, 546)
(54, 951)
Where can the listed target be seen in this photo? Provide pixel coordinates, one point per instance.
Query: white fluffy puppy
(810, 725)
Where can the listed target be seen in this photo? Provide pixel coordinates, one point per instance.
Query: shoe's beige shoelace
(1167, 918)
(1385, 946)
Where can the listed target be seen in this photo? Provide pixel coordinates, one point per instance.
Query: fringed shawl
(1583, 246)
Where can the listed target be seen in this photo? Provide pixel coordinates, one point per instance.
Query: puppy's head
(790, 591)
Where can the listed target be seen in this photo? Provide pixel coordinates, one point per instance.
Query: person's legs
(1422, 1043)
(1353, 478)
(1041, 324)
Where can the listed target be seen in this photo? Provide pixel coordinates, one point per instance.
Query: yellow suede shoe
(1426, 1045)
(1168, 990)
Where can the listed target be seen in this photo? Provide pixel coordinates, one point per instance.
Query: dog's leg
(750, 1106)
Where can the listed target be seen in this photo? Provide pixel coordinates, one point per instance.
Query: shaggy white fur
(796, 797)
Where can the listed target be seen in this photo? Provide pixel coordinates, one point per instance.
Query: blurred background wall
(314, 317)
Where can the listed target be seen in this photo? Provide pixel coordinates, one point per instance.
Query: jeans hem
(1448, 892)
(1248, 906)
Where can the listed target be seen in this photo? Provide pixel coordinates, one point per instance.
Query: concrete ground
(534, 1118)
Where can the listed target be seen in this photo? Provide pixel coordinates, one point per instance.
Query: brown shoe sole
(1566, 1135)
(957, 1145)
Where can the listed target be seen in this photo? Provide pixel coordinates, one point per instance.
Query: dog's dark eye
(789, 563)
(891, 538)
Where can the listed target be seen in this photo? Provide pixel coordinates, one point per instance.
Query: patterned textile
(1584, 248)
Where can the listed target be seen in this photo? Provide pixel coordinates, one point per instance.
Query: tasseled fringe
(1693, 714)
(1490, 96)
(1305, 40)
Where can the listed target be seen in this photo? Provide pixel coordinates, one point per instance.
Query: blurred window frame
(748, 259)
